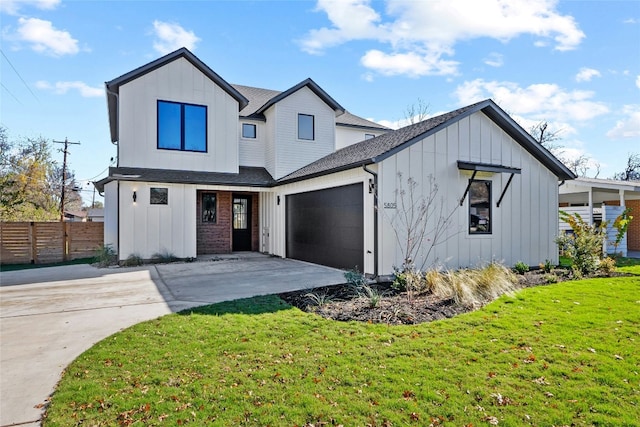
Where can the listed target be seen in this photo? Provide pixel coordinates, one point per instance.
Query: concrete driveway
(49, 316)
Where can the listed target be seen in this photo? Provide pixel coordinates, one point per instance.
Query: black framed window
(480, 207)
(209, 207)
(369, 136)
(248, 130)
(240, 213)
(306, 127)
(159, 196)
(182, 127)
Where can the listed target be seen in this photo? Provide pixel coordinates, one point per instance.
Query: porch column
(590, 205)
(621, 191)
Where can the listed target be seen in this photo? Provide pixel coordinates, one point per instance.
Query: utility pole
(66, 143)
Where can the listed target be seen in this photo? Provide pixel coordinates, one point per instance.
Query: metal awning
(486, 167)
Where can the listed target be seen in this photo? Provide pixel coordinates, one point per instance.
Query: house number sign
(389, 205)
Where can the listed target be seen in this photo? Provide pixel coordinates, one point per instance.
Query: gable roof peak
(112, 87)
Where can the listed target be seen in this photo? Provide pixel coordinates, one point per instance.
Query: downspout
(375, 219)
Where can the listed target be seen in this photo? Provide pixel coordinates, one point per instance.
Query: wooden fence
(48, 242)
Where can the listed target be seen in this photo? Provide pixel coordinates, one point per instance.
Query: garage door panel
(327, 226)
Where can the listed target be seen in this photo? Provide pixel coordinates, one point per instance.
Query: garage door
(326, 227)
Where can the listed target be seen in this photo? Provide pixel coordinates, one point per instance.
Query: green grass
(16, 267)
(564, 354)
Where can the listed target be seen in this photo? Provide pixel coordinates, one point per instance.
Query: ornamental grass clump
(471, 287)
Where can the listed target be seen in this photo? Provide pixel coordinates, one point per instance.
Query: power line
(9, 92)
(16, 71)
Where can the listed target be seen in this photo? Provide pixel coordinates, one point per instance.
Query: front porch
(226, 222)
(599, 200)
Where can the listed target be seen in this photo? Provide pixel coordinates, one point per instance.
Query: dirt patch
(343, 303)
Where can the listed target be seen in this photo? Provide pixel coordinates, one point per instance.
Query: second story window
(248, 131)
(369, 136)
(306, 127)
(182, 127)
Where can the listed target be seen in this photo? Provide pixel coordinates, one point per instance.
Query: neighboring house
(599, 200)
(95, 215)
(75, 216)
(209, 167)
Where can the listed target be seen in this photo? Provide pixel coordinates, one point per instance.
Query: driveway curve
(49, 316)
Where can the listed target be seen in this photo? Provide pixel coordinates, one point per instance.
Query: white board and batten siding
(290, 153)
(111, 215)
(523, 227)
(177, 81)
(151, 229)
(347, 135)
(273, 216)
(253, 150)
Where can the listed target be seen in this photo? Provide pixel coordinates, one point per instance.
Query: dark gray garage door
(326, 227)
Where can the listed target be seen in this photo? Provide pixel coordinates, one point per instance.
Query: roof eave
(513, 129)
(313, 86)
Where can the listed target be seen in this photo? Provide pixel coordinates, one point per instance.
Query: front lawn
(564, 354)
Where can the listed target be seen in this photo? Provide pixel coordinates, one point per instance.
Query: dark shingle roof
(247, 176)
(260, 99)
(379, 148)
(351, 120)
(368, 151)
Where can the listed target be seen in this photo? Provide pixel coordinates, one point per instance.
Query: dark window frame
(182, 126)
(476, 220)
(369, 136)
(313, 127)
(209, 218)
(159, 198)
(255, 131)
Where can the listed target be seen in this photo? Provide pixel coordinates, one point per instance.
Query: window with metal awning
(486, 167)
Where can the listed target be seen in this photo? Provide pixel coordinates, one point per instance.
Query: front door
(241, 222)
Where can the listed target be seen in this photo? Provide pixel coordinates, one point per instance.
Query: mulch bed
(341, 303)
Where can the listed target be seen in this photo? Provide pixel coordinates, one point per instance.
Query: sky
(573, 64)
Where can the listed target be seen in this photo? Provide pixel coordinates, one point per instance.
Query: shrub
(355, 280)
(546, 266)
(318, 299)
(584, 246)
(132, 260)
(105, 256)
(551, 278)
(521, 267)
(164, 257)
(372, 294)
(607, 266)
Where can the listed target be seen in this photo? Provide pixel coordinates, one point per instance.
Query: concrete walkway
(49, 316)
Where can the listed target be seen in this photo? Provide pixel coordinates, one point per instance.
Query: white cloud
(630, 21)
(44, 38)
(638, 81)
(62, 88)
(538, 101)
(170, 37)
(420, 33)
(494, 60)
(12, 7)
(629, 127)
(586, 74)
(413, 64)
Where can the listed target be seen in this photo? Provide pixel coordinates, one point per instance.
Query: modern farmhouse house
(206, 167)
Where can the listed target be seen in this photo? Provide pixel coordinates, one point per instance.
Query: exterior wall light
(135, 196)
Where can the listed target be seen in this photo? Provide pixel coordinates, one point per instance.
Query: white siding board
(521, 225)
(292, 153)
(111, 214)
(177, 81)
